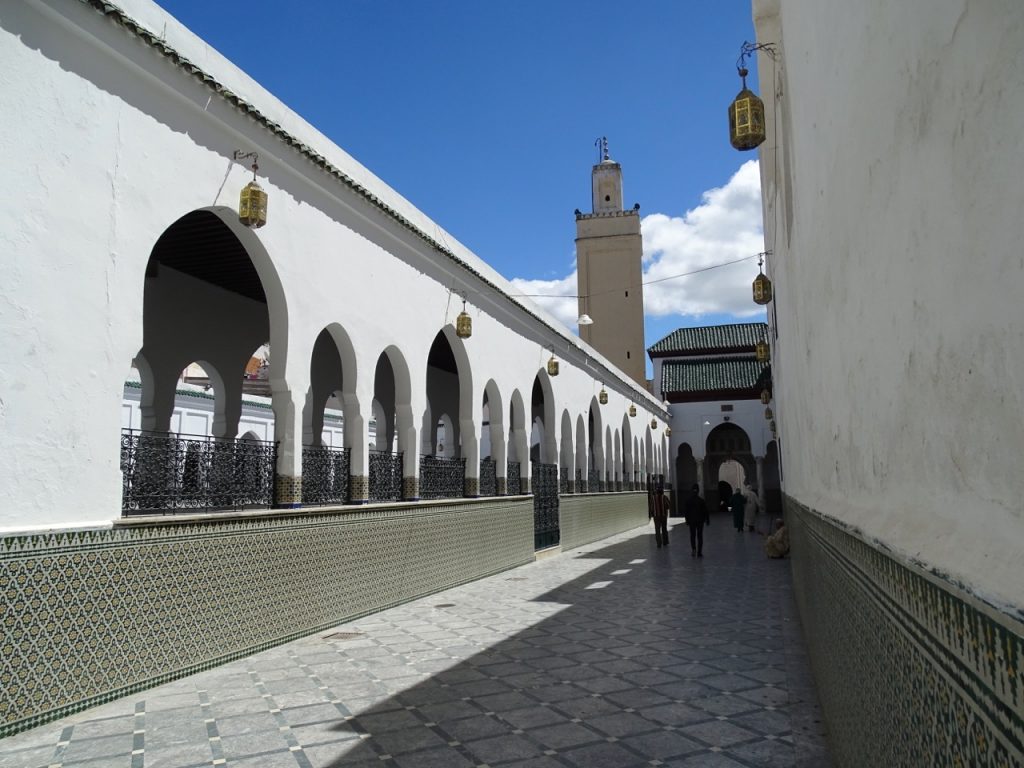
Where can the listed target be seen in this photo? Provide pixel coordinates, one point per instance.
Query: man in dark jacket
(659, 512)
(696, 513)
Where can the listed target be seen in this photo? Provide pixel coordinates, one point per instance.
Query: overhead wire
(646, 282)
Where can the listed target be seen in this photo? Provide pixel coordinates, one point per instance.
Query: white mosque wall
(692, 423)
(113, 144)
(893, 202)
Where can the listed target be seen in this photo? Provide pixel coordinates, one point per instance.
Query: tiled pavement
(618, 654)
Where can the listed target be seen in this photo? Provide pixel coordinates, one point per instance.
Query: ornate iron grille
(579, 480)
(563, 480)
(545, 505)
(513, 483)
(385, 476)
(592, 481)
(488, 477)
(442, 478)
(167, 472)
(325, 475)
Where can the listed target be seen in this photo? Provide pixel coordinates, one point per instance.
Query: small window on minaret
(607, 198)
(627, 294)
(627, 354)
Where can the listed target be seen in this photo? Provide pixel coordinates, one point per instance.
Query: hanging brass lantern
(746, 117)
(668, 431)
(602, 397)
(632, 410)
(762, 285)
(771, 426)
(552, 366)
(464, 323)
(768, 414)
(252, 205)
(252, 202)
(762, 351)
(654, 423)
(766, 397)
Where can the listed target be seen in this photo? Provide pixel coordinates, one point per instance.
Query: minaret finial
(602, 148)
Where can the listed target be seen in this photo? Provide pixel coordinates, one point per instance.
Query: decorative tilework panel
(911, 670)
(587, 518)
(96, 614)
(359, 487)
(287, 491)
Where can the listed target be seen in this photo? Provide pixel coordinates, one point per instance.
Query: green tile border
(911, 669)
(93, 615)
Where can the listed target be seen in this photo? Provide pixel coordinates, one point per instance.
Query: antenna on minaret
(602, 148)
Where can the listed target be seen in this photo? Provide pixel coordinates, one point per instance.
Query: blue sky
(484, 115)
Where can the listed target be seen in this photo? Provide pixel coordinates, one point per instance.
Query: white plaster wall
(688, 425)
(894, 213)
(113, 143)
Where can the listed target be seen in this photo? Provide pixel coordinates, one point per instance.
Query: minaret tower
(608, 260)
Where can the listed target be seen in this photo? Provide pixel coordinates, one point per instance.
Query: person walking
(696, 513)
(751, 508)
(659, 511)
(736, 505)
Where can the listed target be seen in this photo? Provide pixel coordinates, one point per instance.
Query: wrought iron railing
(545, 505)
(325, 475)
(385, 476)
(442, 478)
(513, 479)
(593, 485)
(169, 472)
(563, 480)
(488, 477)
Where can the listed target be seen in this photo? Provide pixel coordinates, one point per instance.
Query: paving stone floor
(618, 654)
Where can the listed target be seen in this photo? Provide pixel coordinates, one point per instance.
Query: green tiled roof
(710, 339)
(710, 374)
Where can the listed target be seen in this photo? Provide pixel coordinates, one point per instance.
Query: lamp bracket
(239, 155)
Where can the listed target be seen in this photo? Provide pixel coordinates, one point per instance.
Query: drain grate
(445, 605)
(343, 636)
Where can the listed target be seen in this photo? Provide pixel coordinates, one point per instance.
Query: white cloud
(551, 295)
(725, 226)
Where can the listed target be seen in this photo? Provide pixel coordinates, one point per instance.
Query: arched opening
(686, 468)
(518, 445)
(543, 469)
(609, 460)
(617, 462)
(566, 475)
(391, 429)
(595, 468)
(443, 474)
(326, 459)
(205, 310)
(579, 476)
(727, 442)
(493, 470)
(626, 456)
(635, 464)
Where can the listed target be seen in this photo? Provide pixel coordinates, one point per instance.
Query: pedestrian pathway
(618, 654)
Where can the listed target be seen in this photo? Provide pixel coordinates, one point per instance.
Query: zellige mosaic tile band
(93, 615)
(910, 669)
(584, 519)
